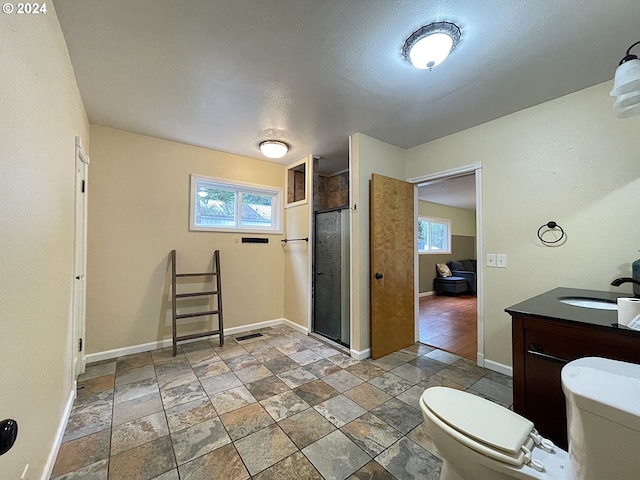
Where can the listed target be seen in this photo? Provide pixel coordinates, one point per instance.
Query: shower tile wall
(331, 191)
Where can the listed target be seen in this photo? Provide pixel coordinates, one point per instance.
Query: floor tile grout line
(166, 418)
(404, 361)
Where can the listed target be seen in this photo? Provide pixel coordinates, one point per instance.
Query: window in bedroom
(223, 206)
(434, 235)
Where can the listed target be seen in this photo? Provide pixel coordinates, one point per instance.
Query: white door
(80, 261)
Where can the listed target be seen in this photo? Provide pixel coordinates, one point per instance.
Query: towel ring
(551, 225)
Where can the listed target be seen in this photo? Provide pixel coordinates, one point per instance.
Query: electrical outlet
(25, 473)
(491, 259)
(501, 260)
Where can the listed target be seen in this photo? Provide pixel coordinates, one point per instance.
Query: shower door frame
(345, 230)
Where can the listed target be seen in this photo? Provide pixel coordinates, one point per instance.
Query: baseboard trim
(251, 326)
(426, 294)
(146, 347)
(295, 326)
(55, 448)
(498, 367)
(360, 354)
(120, 352)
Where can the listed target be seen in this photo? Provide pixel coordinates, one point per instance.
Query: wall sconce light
(430, 45)
(273, 148)
(626, 86)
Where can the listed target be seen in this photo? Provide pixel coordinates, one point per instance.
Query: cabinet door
(547, 348)
(544, 399)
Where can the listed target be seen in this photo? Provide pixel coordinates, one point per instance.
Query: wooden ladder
(176, 296)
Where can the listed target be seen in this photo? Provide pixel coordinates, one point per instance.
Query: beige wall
(297, 275)
(42, 112)
(568, 160)
(368, 156)
(139, 211)
(463, 221)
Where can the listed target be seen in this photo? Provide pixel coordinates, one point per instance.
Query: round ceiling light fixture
(273, 148)
(428, 46)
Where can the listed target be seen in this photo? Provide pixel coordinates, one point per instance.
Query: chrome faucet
(619, 281)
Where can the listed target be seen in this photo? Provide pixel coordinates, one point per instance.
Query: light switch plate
(491, 259)
(501, 260)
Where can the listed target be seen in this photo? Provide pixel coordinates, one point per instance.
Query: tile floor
(450, 323)
(281, 406)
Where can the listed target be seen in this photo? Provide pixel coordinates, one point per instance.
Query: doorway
(331, 275)
(452, 322)
(331, 272)
(80, 259)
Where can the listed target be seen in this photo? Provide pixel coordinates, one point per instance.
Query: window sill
(236, 230)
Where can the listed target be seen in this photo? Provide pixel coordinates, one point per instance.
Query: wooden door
(392, 232)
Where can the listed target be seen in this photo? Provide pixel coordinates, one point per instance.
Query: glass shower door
(331, 276)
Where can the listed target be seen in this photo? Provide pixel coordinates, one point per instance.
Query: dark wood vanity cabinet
(541, 347)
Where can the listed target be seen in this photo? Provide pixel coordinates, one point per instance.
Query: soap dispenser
(635, 273)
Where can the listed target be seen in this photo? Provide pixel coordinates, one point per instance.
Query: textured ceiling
(226, 74)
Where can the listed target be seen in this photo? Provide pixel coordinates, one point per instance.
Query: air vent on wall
(254, 240)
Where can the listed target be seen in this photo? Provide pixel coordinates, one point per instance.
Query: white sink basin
(585, 302)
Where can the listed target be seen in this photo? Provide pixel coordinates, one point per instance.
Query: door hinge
(80, 345)
(82, 187)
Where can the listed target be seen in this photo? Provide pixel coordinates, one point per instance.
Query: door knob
(379, 275)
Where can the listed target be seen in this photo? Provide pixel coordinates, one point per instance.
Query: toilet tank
(603, 418)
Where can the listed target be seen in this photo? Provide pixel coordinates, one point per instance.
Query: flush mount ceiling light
(428, 46)
(626, 86)
(273, 148)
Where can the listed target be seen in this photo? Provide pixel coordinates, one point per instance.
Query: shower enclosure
(331, 275)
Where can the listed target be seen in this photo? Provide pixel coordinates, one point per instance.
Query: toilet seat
(507, 438)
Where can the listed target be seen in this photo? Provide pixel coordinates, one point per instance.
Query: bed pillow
(443, 270)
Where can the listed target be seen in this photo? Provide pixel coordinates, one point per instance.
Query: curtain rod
(285, 240)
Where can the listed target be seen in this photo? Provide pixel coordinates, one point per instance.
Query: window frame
(239, 188)
(430, 220)
(293, 166)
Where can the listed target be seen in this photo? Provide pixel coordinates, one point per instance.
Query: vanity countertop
(547, 305)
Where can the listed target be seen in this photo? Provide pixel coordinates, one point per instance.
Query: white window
(223, 206)
(434, 235)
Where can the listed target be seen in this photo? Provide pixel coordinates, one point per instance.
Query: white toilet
(480, 440)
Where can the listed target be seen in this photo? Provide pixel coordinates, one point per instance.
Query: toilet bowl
(480, 440)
